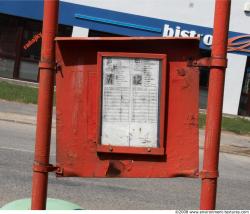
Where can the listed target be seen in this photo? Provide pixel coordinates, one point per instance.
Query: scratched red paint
(77, 100)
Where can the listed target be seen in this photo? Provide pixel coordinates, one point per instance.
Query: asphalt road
(16, 157)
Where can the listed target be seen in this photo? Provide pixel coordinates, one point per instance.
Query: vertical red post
(45, 105)
(214, 109)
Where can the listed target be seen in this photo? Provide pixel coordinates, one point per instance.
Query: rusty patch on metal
(181, 72)
(192, 120)
(115, 168)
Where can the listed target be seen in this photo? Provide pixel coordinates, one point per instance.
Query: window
(204, 81)
(31, 48)
(20, 46)
(8, 38)
(132, 104)
(244, 107)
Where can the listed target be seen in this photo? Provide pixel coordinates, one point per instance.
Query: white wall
(80, 32)
(233, 83)
(197, 12)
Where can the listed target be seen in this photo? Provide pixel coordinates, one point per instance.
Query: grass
(237, 125)
(18, 93)
(25, 94)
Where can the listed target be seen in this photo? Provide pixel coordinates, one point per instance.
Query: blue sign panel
(124, 23)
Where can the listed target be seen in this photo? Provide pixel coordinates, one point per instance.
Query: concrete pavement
(17, 155)
(26, 113)
(20, 112)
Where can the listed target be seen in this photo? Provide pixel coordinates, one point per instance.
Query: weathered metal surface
(44, 168)
(45, 104)
(79, 152)
(214, 108)
(209, 174)
(210, 62)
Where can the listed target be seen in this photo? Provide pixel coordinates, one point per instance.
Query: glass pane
(244, 107)
(8, 37)
(6, 67)
(28, 70)
(130, 101)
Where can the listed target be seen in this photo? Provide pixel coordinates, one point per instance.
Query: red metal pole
(45, 105)
(214, 109)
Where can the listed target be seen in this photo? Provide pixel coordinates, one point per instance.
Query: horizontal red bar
(130, 150)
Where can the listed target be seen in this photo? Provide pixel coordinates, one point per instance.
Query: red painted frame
(125, 149)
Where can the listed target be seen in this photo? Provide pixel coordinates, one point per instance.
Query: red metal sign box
(83, 135)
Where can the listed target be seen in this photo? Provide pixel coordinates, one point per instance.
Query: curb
(31, 120)
(237, 150)
(232, 149)
(19, 82)
(20, 118)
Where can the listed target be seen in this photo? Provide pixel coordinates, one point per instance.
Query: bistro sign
(236, 43)
(179, 32)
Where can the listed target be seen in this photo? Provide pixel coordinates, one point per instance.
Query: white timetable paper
(130, 101)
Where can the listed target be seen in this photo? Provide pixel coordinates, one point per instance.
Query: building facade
(20, 35)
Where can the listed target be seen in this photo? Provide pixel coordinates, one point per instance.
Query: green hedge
(237, 125)
(25, 94)
(18, 93)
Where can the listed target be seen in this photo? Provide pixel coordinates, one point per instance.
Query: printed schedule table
(130, 101)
